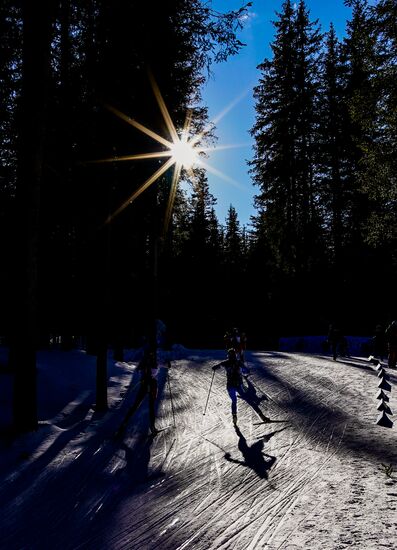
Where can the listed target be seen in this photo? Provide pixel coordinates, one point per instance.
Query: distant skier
(343, 346)
(243, 345)
(227, 338)
(235, 340)
(238, 341)
(234, 383)
(234, 379)
(334, 340)
(148, 386)
(391, 338)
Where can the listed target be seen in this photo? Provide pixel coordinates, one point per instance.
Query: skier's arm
(218, 366)
(228, 457)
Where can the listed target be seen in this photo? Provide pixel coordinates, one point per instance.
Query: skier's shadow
(254, 457)
(137, 461)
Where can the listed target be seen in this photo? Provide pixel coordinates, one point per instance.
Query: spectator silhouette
(391, 337)
(334, 340)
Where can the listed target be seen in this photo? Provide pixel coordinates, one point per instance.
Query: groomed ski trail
(311, 478)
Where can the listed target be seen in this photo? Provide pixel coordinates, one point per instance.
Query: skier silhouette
(391, 338)
(254, 457)
(334, 340)
(148, 386)
(234, 385)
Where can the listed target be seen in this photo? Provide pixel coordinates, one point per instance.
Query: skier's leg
(249, 398)
(232, 394)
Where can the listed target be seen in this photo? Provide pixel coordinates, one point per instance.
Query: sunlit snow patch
(168, 526)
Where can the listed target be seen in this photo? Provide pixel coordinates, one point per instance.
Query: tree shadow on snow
(88, 485)
(254, 456)
(137, 462)
(326, 421)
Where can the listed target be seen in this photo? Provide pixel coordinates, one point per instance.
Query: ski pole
(209, 391)
(169, 389)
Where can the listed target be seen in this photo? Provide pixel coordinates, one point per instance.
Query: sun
(180, 151)
(184, 154)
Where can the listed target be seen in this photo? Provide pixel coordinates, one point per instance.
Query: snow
(319, 475)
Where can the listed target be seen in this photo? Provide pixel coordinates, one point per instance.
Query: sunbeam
(221, 175)
(163, 109)
(181, 152)
(139, 126)
(141, 189)
(212, 122)
(171, 199)
(142, 156)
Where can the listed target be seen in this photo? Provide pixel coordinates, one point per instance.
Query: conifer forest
(88, 251)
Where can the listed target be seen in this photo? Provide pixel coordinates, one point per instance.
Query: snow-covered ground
(315, 477)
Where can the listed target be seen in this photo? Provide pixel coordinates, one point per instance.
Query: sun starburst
(181, 151)
(184, 154)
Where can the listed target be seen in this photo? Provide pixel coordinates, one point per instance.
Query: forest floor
(320, 474)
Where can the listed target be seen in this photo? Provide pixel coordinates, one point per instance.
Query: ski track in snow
(311, 478)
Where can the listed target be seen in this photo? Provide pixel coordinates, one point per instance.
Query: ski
(269, 422)
(158, 431)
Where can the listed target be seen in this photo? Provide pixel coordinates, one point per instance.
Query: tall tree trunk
(154, 259)
(102, 308)
(37, 17)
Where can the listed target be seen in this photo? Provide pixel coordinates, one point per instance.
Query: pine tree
(308, 42)
(285, 135)
(360, 58)
(332, 151)
(379, 163)
(194, 268)
(233, 272)
(10, 70)
(92, 58)
(273, 165)
(233, 249)
(37, 22)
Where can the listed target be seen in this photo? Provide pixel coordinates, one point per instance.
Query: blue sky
(236, 79)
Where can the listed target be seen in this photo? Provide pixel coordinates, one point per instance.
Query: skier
(243, 345)
(234, 383)
(236, 341)
(227, 338)
(391, 338)
(234, 379)
(148, 386)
